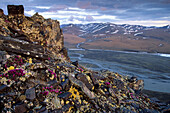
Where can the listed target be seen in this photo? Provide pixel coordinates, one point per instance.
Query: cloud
(43, 7)
(89, 18)
(71, 18)
(103, 17)
(86, 5)
(58, 7)
(30, 13)
(80, 11)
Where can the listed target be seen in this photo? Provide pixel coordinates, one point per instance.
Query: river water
(154, 69)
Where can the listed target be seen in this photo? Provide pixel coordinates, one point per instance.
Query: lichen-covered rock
(82, 86)
(15, 9)
(33, 30)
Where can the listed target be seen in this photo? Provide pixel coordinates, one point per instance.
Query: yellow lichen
(123, 95)
(114, 86)
(70, 109)
(30, 60)
(11, 68)
(67, 102)
(75, 94)
(93, 88)
(52, 77)
(22, 78)
(101, 81)
(62, 102)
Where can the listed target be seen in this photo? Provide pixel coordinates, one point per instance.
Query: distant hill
(119, 37)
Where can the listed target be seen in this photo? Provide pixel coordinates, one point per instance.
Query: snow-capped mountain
(105, 30)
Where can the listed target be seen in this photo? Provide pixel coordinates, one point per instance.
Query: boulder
(15, 9)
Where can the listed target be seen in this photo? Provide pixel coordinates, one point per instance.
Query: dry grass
(122, 43)
(72, 39)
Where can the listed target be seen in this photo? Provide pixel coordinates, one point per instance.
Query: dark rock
(3, 87)
(133, 79)
(66, 107)
(111, 91)
(83, 78)
(154, 99)
(30, 94)
(1, 12)
(135, 105)
(65, 95)
(52, 83)
(20, 108)
(2, 56)
(75, 63)
(82, 86)
(42, 110)
(15, 9)
(63, 84)
(95, 77)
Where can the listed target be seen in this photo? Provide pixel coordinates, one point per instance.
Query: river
(153, 68)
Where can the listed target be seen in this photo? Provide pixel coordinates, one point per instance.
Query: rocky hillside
(36, 75)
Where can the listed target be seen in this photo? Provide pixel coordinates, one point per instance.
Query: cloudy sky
(141, 12)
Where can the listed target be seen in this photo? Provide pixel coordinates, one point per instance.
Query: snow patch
(116, 31)
(138, 33)
(99, 29)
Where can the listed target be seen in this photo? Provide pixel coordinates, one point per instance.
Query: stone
(3, 87)
(66, 107)
(75, 63)
(63, 84)
(95, 77)
(30, 94)
(1, 13)
(82, 86)
(133, 79)
(2, 56)
(65, 95)
(15, 9)
(20, 108)
(111, 91)
(83, 78)
(56, 103)
(42, 110)
(22, 97)
(139, 85)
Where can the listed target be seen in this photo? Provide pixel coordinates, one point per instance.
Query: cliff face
(30, 33)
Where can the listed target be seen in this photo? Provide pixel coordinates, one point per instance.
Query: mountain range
(118, 37)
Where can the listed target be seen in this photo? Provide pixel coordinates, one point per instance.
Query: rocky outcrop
(31, 35)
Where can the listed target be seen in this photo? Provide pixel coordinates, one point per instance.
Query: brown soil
(71, 40)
